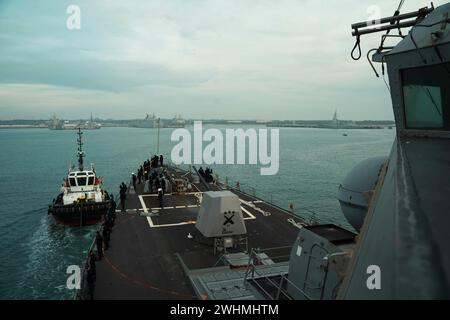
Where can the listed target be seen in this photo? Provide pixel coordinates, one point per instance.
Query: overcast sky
(233, 59)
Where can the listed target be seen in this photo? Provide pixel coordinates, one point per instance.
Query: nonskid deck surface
(152, 248)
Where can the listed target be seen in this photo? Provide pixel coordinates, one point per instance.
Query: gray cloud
(96, 75)
(266, 59)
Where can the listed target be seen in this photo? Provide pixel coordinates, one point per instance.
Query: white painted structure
(220, 215)
(82, 186)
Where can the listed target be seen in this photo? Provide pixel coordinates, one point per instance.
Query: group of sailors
(206, 174)
(145, 172)
(155, 162)
(102, 244)
(157, 181)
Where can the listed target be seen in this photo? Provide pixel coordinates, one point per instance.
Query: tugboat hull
(79, 214)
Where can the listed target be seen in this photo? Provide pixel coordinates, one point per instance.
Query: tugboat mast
(80, 150)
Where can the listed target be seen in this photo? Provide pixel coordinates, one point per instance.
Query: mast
(157, 145)
(335, 119)
(80, 149)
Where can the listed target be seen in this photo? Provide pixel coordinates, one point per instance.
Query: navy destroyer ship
(57, 124)
(208, 240)
(153, 122)
(82, 200)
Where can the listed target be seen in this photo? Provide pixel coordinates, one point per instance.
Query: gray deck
(149, 257)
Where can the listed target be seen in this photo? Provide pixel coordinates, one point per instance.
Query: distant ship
(82, 200)
(57, 124)
(151, 121)
(334, 123)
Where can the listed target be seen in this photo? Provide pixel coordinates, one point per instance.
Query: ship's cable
(357, 47)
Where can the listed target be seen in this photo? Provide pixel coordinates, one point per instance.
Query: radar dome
(355, 191)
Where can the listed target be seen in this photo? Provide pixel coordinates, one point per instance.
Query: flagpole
(157, 145)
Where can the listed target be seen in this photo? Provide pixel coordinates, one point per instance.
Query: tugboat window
(72, 182)
(81, 182)
(91, 181)
(426, 96)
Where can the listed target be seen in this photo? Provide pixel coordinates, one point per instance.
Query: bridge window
(81, 181)
(72, 182)
(90, 180)
(426, 96)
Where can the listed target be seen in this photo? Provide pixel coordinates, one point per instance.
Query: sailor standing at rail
(123, 197)
(112, 205)
(157, 183)
(140, 174)
(124, 187)
(134, 179)
(99, 242)
(150, 183)
(160, 197)
(155, 161)
(109, 223)
(92, 260)
(112, 214)
(91, 277)
(163, 184)
(106, 234)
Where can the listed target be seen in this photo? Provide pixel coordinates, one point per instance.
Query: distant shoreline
(333, 124)
(21, 126)
(373, 127)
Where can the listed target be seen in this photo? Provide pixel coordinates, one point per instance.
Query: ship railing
(308, 215)
(81, 291)
(260, 265)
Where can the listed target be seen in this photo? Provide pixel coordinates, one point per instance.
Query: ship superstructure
(151, 121)
(58, 124)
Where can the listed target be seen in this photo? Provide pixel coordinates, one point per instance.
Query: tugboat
(82, 200)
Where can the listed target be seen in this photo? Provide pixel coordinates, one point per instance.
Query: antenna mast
(80, 149)
(157, 145)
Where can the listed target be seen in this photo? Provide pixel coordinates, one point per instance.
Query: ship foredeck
(153, 251)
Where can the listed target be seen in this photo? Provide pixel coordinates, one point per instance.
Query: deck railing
(306, 214)
(262, 259)
(80, 293)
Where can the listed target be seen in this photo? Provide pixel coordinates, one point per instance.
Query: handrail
(252, 270)
(203, 181)
(79, 293)
(394, 22)
(312, 218)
